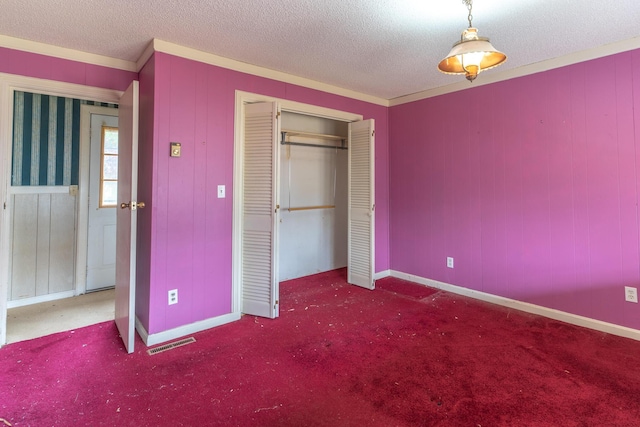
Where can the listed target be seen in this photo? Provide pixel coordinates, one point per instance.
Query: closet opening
(303, 198)
(313, 176)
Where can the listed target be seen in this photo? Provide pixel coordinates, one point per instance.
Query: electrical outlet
(173, 296)
(630, 294)
(449, 262)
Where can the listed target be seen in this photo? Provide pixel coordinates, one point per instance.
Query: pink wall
(49, 68)
(145, 190)
(530, 184)
(532, 189)
(191, 229)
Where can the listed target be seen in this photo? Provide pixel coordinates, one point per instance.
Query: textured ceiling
(384, 48)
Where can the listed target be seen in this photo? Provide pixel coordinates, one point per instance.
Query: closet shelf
(289, 133)
(313, 135)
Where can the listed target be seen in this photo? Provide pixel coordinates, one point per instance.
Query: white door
(260, 211)
(127, 215)
(101, 249)
(361, 204)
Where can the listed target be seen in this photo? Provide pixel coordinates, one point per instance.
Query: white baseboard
(39, 299)
(382, 274)
(182, 331)
(551, 313)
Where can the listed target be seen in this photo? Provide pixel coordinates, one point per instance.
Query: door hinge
(373, 132)
(277, 115)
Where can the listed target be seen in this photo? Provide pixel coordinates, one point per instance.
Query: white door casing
(361, 204)
(101, 249)
(127, 215)
(260, 210)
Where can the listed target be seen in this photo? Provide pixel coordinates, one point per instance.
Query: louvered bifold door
(259, 285)
(361, 204)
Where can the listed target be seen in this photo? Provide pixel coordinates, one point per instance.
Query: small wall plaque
(175, 149)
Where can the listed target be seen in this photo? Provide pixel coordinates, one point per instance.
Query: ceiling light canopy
(472, 54)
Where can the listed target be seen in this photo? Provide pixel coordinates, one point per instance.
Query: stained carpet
(338, 355)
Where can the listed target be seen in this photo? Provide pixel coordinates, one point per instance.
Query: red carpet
(401, 355)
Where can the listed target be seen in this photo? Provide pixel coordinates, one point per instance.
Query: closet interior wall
(313, 197)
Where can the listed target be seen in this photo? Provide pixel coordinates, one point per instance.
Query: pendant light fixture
(472, 54)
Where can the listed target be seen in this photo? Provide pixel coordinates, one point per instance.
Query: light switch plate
(221, 192)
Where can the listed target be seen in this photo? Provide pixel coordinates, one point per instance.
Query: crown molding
(157, 45)
(243, 67)
(146, 55)
(494, 77)
(65, 53)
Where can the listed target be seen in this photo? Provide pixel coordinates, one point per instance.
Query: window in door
(109, 167)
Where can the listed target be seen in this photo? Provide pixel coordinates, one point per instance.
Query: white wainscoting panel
(42, 242)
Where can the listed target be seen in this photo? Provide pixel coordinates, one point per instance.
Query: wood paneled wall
(43, 242)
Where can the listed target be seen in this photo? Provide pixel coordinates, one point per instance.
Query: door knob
(132, 205)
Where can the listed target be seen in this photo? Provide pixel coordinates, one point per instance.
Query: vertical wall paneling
(181, 190)
(627, 171)
(603, 191)
(43, 242)
(145, 191)
(24, 244)
(201, 204)
(562, 258)
(188, 98)
(551, 188)
(62, 252)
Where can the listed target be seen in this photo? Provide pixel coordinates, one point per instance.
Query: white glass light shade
(471, 55)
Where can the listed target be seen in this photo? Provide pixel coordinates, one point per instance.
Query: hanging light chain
(469, 4)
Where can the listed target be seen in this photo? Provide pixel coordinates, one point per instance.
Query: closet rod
(305, 144)
(307, 208)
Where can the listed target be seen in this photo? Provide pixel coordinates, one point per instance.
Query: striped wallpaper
(46, 139)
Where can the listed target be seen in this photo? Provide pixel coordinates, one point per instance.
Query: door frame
(9, 83)
(243, 98)
(82, 225)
